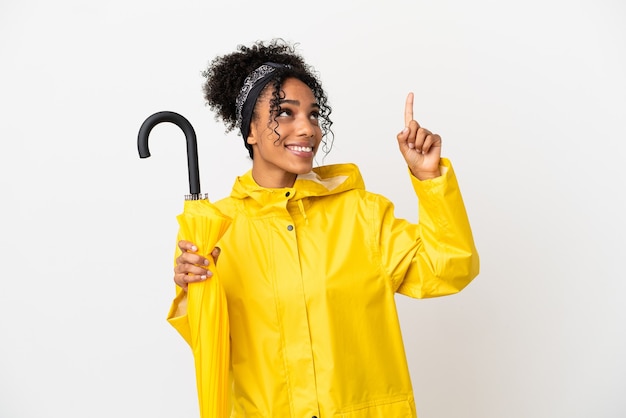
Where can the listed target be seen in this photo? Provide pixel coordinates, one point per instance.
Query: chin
(303, 169)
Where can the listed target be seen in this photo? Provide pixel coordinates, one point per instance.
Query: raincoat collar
(321, 181)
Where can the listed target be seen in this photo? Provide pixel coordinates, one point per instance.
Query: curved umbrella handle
(190, 136)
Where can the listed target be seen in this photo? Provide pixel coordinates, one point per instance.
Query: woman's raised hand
(420, 148)
(191, 267)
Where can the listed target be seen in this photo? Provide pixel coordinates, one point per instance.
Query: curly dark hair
(225, 76)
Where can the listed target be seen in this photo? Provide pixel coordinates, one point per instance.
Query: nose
(305, 126)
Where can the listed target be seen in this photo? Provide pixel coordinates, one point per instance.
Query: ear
(252, 135)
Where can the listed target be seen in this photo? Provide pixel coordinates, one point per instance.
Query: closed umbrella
(200, 315)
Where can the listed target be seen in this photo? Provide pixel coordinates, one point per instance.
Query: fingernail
(206, 262)
(405, 130)
(411, 145)
(203, 277)
(194, 248)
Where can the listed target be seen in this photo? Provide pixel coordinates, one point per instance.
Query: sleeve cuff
(422, 187)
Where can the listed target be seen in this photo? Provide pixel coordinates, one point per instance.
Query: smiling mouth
(299, 148)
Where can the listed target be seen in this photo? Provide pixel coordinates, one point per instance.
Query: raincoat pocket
(385, 408)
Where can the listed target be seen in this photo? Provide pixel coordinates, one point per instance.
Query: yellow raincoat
(310, 274)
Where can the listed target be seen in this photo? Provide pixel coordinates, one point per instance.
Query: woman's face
(286, 148)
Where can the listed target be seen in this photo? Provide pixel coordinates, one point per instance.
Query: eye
(315, 115)
(283, 113)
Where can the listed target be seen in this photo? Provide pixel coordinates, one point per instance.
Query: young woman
(312, 260)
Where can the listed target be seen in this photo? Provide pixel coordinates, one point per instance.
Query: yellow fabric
(201, 316)
(310, 274)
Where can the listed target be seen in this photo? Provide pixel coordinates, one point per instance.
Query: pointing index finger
(408, 109)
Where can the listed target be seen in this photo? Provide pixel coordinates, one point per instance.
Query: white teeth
(301, 149)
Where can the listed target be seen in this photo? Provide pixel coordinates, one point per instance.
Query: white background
(529, 97)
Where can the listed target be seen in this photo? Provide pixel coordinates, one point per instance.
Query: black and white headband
(252, 87)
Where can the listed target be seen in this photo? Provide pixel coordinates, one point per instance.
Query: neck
(273, 181)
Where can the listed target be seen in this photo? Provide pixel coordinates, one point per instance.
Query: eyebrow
(297, 103)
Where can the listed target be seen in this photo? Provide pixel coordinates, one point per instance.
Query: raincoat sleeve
(437, 256)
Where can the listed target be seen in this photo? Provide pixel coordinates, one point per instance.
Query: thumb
(216, 253)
